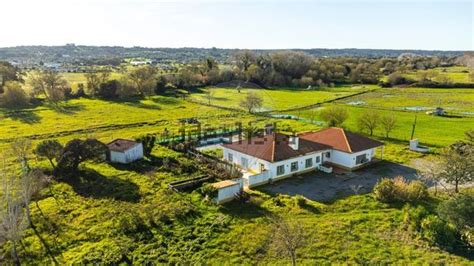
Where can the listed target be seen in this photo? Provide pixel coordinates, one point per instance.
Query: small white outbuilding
(227, 190)
(124, 151)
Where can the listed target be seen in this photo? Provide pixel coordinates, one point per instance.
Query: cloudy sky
(418, 24)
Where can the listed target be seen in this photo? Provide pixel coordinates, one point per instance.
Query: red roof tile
(275, 147)
(341, 139)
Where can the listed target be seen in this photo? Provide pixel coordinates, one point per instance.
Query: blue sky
(419, 24)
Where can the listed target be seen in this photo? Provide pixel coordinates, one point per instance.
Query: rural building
(227, 190)
(275, 156)
(124, 151)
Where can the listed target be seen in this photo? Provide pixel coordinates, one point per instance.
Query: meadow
(458, 74)
(111, 214)
(118, 215)
(278, 98)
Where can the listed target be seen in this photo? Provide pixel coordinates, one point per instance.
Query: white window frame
(281, 167)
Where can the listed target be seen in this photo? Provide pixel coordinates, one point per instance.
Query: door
(262, 167)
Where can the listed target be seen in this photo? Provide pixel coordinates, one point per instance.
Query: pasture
(276, 99)
(435, 131)
(458, 74)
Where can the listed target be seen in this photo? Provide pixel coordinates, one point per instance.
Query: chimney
(268, 129)
(294, 142)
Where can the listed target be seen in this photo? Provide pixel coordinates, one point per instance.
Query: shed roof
(225, 183)
(121, 145)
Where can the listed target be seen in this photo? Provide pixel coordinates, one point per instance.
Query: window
(294, 166)
(262, 167)
(318, 159)
(280, 169)
(244, 163)
(230, 157)
(360, 159)
(309, 163)
(328, 155)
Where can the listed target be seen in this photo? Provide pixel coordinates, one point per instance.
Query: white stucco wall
(227, 193)
(128, 156)
(253, 163)
(349, 159)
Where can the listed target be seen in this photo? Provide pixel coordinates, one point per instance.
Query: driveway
(324, 187)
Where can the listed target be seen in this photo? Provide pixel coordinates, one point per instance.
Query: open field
(277, 99)
(458, 74)
(455, 101)
(118, 214)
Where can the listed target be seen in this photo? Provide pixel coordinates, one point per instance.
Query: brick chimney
(294, 142)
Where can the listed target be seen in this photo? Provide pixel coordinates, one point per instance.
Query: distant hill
(80, 53)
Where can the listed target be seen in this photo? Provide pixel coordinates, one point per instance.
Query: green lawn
(277, 99)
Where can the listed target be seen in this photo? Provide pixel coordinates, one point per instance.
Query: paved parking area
(323, 187)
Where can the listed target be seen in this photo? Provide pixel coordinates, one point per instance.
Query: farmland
(277, 99)
(118, 214)
(457, 74)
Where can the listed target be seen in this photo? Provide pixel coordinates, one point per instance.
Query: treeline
(297, 69)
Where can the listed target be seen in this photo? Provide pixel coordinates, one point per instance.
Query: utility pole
(414, 125)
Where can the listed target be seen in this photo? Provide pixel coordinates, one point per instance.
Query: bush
(412, 217)
(209, 190)
(458, 210)
(14, 96)
(300, 201)
(398, 189)
(438, 232)
(416, 191)
(384, 190)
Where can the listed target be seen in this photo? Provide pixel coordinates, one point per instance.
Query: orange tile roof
(341, 139)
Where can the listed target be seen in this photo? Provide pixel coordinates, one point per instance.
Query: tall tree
(78, 151)
(244, 59)
(50, 84)
(144, 79)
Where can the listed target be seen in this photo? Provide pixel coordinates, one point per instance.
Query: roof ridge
(345, 138)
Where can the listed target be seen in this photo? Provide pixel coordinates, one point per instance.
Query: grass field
(458, 101)
(117, 215)
(277, 99)
(457, 74)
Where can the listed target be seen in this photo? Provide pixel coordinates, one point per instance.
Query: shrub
(209, 190)
(438, 232)
(413, 216)
(399, 189)
(384, 190)
(14, 96)
(300, 201)
(458, 210)
(416, 191)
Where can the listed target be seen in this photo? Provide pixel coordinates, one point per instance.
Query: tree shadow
(141, 166)
(91, 184)
(165, 100)
(66, 108)
(135, 102)
(27, 116)
(244, 210)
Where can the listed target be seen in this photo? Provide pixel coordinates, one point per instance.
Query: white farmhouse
(275, 156)
(124, 151)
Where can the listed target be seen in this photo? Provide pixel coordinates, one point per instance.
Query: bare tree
(458, 164)
(94, 80)
(287, 237)
(251, 102)
(388, 123)
(369, 121)
(209, 95)
(13, 220)
(21, 148)
(429, 171)
(49, 83)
